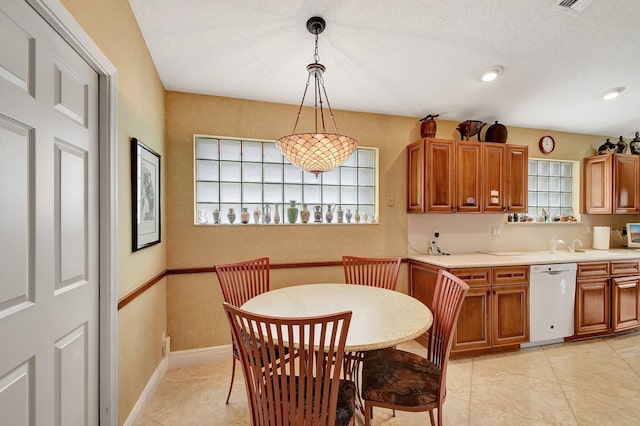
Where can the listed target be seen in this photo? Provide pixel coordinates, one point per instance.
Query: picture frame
(145, 196)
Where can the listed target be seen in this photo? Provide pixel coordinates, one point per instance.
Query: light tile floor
(592, 382)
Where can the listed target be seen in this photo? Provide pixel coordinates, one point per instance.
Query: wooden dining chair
(401, 380)
(240, 282)
(374, 271)
(302, 390)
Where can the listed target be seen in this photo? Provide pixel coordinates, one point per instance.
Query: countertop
(508, 258)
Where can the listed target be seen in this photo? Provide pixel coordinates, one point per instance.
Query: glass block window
(553, 187)
(236, 176)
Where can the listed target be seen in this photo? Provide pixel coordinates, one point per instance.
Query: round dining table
(380, 318)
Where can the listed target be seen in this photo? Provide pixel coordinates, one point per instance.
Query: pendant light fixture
(317, 151)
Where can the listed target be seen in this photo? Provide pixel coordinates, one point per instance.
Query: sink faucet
(572, 249)
(554, 245)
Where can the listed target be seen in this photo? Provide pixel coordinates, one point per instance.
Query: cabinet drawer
(511, 275)
(593, 269)
(473, 276)
(625, 267)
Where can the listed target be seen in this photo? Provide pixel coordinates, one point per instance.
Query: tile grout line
(573, 413)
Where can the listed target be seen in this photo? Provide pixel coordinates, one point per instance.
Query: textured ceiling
(411, 57)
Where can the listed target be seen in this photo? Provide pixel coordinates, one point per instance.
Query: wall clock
(546, 144)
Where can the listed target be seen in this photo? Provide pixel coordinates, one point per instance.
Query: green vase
(292, 212)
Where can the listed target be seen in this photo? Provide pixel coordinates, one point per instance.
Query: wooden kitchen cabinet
(611, 184)
(607, 297)
(439, 173)
(625, 303)
(592, 313)
(495, 312)
(517, 175)
(446, 176)
(415, 177)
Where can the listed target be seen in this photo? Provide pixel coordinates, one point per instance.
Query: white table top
(381, 318)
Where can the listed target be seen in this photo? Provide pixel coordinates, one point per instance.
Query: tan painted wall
(194, 301)
(112, 27)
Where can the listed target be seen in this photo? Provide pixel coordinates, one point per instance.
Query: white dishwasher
(552, 291)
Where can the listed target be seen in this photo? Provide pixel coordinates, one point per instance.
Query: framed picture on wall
(145, 195)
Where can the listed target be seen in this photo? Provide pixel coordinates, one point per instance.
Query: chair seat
(393, 376)
(346, 400)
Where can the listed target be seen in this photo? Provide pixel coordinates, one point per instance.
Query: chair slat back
(372, 271)
(285, 390)
(242, 281)
(447, 302)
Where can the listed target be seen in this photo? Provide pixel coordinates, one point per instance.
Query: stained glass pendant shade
(317, 151)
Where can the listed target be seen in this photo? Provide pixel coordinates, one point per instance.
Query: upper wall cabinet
(611, 184)
(446, 176)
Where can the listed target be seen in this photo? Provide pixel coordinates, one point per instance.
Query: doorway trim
(59, 18)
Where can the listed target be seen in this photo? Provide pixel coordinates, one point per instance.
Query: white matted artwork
(145, 195)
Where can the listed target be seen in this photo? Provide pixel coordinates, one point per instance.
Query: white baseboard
(200, 356)
(137, 412)
(174, 360)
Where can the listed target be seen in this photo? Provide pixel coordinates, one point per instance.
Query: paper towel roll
(601, 237)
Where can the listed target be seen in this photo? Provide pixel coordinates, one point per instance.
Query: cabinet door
(596, 185)
(516, 178)
(492, 179)
(593, 306)
(509, 314)
(468, 198)
(422, 281)
(626, 302)
(626, 181)
(473, 330)
(439, 173)
(415, 177)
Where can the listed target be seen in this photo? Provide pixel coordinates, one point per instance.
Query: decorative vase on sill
(202, 217)
(244, 216)
(305, 214)
(329, 215)
(292, 212)
(340, 214)
(256, 216)
(216, 216)
(348, 215)
(231, 216)
(266, 214)
(276, 214)
(317, 214)
(357, 216)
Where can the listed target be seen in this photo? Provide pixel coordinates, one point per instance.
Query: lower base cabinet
(607, 297)
(495, 311)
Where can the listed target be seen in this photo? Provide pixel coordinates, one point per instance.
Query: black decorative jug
(634, 145)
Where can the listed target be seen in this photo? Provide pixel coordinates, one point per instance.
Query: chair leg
(440, 415)
(368, 413)
(433, 422)
(233, 373)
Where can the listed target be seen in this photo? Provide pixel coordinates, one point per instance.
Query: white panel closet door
(49, 217)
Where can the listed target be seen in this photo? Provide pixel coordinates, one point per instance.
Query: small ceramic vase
(317, 214)
(329, 215)
(305, 214)
(202, 217)
(340, 214)
(256, 216)
(621, 146)
(292, 212)
(276, 213)
(216, 216)
(365, 218)
(244, 216)
(634, 145)
(356, 218)
(348, 215)
(231, 216)
(266, 214)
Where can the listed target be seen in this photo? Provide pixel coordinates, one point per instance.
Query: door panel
(48, 226)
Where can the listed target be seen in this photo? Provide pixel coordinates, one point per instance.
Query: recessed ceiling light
(613, 93)
(492, 73)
